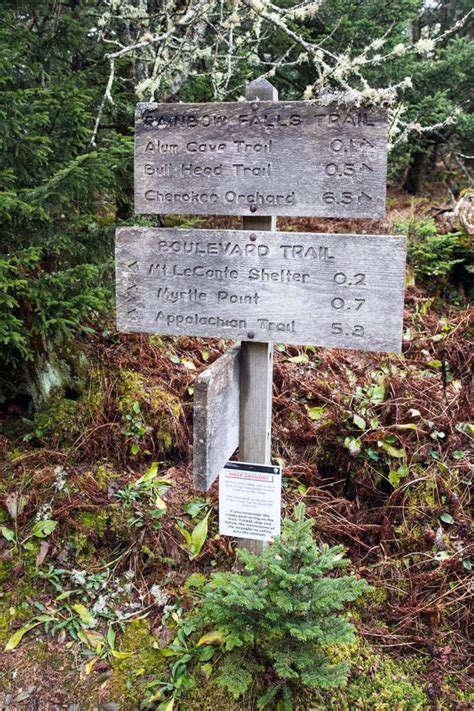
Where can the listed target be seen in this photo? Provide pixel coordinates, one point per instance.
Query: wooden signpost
(339, 291)
(258, 159)
(263, 157)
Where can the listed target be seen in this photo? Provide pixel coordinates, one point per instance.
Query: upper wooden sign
(341, 291)
(260, 158)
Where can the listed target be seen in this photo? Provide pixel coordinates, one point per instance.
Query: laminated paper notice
(250, 501)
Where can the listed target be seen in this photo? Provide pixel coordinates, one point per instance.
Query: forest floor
(96, 571)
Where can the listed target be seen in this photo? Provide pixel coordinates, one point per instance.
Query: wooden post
(256, 365)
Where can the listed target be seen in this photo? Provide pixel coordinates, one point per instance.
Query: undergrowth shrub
(430, 254)
(281, 618)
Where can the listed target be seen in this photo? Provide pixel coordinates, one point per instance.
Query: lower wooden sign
(340, 291)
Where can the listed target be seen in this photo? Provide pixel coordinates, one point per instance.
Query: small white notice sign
(250, 501)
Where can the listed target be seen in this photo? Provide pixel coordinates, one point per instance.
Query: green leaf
(446, 517)
(16, 638)
(316, 413)
(199, 535)
(121, 655)
(149, 475)
(194, 507)
(136, 407)
(7, 533)
(359, 422)
(206, 669)
(214, 637)
(301, 359)
(134, 449)
(378, 394)
(174, 359)
(396, 452)
(41, 529)
(458, 454)
(188, 364)
(186, 534)
(467, 564)
(83, 613)
(111, 637)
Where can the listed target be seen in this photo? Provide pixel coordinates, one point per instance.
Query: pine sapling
(280, 618)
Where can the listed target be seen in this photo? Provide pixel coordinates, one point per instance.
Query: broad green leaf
(83, 613)
(378, 393)
(169, 706)
(194, 507)
(458, 454)
(91, 638)
(206, 669)
(301, 359)
(159, 502)
(149, 475)
(214, 637)
(90, 665)
(316, 413)
(188, 364)
(121, 655)
(359, 422)
(111, 637)
(446, 517)
(186, 534)
(199, 535)
(174, 359)
(134, 449)
(41, 529)
(398, 453)
(7, 533)
(17, 636)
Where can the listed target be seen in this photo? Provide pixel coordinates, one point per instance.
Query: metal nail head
(250, 334)
(253, 208)
(253, 237)
(254, 106)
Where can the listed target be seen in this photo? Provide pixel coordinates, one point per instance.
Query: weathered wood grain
(260, 158)
(340, 291)
(216, 417)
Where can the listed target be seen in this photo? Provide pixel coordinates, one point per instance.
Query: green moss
(377, 681)
(131, 675)
(5, 570)
(97, 522)
(104, 475)
(148, 409)
(84, 549)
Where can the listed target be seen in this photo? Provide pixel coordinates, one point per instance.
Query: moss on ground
(376, 682)
(130, 676)
(148, 410)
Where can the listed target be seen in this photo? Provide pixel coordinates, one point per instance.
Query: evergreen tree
(280, 617)
(56, 191)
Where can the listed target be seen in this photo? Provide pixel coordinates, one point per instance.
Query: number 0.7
(338, 303)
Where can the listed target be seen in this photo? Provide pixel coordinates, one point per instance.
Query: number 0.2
(337, 329)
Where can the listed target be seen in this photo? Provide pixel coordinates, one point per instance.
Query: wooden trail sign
(260, 157)
(216, 418)
(340, 291)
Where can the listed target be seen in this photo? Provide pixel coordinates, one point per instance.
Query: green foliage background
(61, 196)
